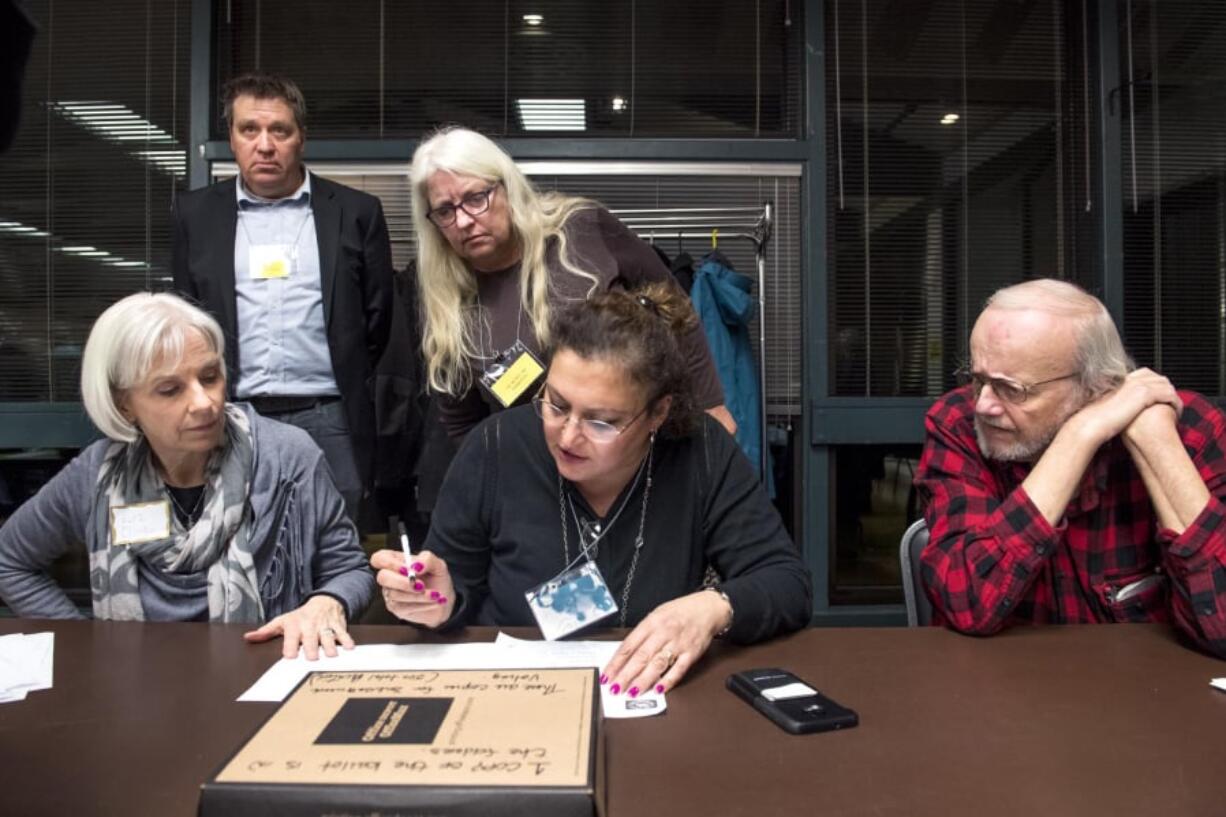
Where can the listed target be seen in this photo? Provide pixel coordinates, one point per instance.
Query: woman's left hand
(660, 651)
(318, 623)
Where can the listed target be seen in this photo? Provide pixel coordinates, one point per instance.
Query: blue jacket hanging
(722, 299)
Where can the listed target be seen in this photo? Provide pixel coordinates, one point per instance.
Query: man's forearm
(1057, 475)
(1175, 486)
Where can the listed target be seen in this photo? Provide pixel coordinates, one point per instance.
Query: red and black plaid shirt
(993, 560)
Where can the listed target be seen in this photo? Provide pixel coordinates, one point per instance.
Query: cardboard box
(447, 742)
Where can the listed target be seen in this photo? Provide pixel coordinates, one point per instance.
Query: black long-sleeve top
(498, 525)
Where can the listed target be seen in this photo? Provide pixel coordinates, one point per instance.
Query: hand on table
(660, 651)
(428, 599)
(320, 622)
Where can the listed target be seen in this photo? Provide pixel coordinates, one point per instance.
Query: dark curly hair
(640, 330)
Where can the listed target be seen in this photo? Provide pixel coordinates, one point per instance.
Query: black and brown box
(401, 743)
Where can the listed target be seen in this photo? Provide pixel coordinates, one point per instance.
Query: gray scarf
(218, 542)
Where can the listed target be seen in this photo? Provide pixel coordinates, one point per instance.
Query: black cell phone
(792, 704)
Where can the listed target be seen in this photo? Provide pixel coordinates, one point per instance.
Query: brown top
(600, 244)
(1095, 719)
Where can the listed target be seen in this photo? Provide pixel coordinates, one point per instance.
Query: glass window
(716, 68)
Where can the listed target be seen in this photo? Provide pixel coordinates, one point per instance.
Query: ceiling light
(118, 124)
(619, 104)
(950, 118)
(553, 114)
(534, 19)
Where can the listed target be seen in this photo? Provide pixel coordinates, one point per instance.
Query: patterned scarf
(218, 542)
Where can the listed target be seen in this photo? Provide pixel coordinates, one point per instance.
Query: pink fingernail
(418, 586)
(634, 692)
(659, 689)
(442, 599)
(434, 594)
(604, 679)
(404, 571)
(418, 567)
(616, 688)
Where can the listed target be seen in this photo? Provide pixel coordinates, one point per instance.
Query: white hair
(126, 341)
(447, 287)
(1100, 358)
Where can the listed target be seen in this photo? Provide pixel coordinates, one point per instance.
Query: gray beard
(1028, 450)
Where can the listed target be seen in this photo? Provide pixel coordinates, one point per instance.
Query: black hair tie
(648, 304)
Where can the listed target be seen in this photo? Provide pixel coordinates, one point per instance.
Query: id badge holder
(570, 601)
(270, 261)
(512, 373)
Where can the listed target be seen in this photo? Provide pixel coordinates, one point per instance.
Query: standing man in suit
(298, 271)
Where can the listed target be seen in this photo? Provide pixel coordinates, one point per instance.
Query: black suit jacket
(355, 263)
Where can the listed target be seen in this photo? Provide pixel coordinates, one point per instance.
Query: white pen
(408, 554)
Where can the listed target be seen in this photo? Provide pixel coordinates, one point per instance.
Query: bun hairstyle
(640, 331)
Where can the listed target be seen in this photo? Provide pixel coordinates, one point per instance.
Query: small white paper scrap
(1218, 683)
(26, 663)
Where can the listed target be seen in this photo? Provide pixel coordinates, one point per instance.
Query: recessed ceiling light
(619, 104)
(950, 118)
(534, 19)
(116, 123)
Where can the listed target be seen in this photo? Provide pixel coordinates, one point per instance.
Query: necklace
(638, 539)
(188, 517)
(589, 542)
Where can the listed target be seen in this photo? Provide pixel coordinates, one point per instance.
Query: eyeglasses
(598, 431)
(1007, 390)
(474, 204)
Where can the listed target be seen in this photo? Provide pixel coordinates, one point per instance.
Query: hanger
(715, 239)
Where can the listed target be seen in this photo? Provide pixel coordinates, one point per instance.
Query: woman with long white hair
(495, 258)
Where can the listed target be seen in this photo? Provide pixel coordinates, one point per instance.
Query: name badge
(573, 599)
(142, 522)
(511, 374)
(267, 261)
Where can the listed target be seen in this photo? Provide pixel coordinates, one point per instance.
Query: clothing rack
(752, 224)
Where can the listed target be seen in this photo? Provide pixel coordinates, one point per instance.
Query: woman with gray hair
(495, 258)
(191, 509)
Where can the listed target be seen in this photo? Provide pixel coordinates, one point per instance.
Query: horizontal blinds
(85, 191)
(953, 159)
(1173, 151)
(784, 303)
(623, 68)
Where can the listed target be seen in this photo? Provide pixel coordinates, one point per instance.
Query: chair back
(919, 608)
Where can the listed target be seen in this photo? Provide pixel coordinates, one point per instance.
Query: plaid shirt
(993, 560)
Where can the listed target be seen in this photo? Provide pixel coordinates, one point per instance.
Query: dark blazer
(355, 262)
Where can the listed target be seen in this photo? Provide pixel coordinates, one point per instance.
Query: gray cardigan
(308, 545)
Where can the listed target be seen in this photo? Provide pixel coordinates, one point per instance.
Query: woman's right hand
(428, 599)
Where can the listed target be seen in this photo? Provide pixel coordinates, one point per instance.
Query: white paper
(145, 522)
(1218, 683)
(788, 691)
(26, 664)
(505, 652)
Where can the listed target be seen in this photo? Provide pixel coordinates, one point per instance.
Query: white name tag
(267, 261)
(143, 522)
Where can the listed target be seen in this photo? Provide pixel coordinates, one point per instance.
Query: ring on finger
(328, 631)
(669, 657)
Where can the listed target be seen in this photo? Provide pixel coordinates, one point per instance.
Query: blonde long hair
(447, 286)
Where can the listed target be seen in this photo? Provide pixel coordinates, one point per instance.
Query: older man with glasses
(1062, 486)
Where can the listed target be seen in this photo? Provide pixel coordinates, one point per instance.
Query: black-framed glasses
(1008, 390)
(598, 431)
(474, 204)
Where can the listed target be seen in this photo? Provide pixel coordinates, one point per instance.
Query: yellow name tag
(142, 522)
(267, 261)
(518, 377)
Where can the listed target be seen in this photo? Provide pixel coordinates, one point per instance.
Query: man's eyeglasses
(1007, 390)
(474, 204)
(598, 431)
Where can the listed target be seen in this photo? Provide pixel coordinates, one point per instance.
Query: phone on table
(793, 705)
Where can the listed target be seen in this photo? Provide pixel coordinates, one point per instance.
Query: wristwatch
(715, 588)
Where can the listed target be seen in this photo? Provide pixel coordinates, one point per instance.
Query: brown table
(1108, 720)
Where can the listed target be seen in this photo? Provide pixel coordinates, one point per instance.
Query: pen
(408, 554)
